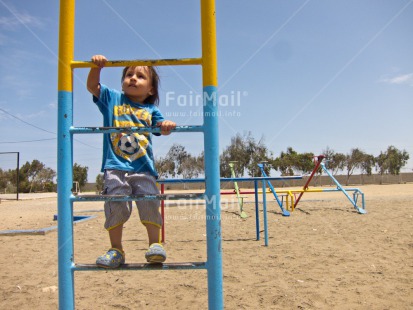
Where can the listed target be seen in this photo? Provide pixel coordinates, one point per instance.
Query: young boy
(128, 161)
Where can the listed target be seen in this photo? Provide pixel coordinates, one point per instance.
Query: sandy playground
(324, 256)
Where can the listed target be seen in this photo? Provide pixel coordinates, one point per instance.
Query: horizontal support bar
(164, 181)
(339, 190)
(143, 266)
(140, 62)
(89, 130)
(138, 197)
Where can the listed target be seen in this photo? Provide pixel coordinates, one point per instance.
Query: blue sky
(309, 74)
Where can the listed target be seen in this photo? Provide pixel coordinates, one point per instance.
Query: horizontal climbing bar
(144, 266)
(89, 130)
(287, 178)
(87, 197)
(140, 62)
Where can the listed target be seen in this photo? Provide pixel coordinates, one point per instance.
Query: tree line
(36, 177)
(247, 152)
(244, 150)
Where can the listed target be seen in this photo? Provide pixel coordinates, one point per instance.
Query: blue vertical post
(212, 177)
(213, 201)
(257, 211)
(65, 155)
(264, 203)
(64, 185)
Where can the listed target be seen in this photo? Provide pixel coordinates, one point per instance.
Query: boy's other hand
(99, 60)
(166, 127)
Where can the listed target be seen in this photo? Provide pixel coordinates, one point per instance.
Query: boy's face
(137, 84)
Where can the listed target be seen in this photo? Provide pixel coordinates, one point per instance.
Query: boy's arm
(93, 79)
(166, 127)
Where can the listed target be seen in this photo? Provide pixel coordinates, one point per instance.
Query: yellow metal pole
(66, 44)
(141, 62)
(290, 194)
(209, 45)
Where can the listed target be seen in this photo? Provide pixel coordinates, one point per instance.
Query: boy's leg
(115, 256)
(156, 253)
(154, 233)
(115, 236)
(149, 214)
(116, 213)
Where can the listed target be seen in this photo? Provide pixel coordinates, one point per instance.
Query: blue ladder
(66, 261)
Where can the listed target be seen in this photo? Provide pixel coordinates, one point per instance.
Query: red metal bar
(319, 160)
(163, 214)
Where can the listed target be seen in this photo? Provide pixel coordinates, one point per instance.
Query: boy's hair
(153, 75)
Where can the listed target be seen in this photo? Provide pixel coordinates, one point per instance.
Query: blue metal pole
(257, 211)
(284, 212)
(264, 203)
(213, 200)
(64, 204)
(359, 210)
(213, 203)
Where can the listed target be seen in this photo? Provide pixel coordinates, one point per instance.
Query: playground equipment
(240, 199)
(264, 202)
(356, 194)
(256, 191)
(284, 212)
(208, 62)
(290, 194)
(292, 201)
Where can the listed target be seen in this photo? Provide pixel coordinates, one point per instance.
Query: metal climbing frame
(208, 61)
(356, 192)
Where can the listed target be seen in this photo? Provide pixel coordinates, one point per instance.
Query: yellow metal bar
(291, 196)
(139, 62)
(66, 44)
(209, 46)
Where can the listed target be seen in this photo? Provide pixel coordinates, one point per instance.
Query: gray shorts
(119, 182)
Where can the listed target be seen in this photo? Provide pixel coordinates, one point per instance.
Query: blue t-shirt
(127, 151)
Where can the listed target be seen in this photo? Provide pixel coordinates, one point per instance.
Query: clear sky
(301, 73)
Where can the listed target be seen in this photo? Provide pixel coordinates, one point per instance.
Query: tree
(4, 180)
(285, 162)
(290, 163)
(335, 161)
(99, 182)
(304, 163)
(80, 174)
(45, 179)
(258, 153)
(35, 176)
(177, 155)
(247, 153)
(236, 151)
(366, 166)
(165, 167)
(191, 167)
(354, 160)
(391, 161)
(178, 162)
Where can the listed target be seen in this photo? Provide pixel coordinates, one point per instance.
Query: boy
(128, 161)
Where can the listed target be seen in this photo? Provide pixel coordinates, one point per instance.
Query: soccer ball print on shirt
(130, 146)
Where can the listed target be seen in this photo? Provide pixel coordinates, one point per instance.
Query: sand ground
(324, 256)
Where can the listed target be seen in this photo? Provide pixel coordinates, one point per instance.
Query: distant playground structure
(292, 196)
